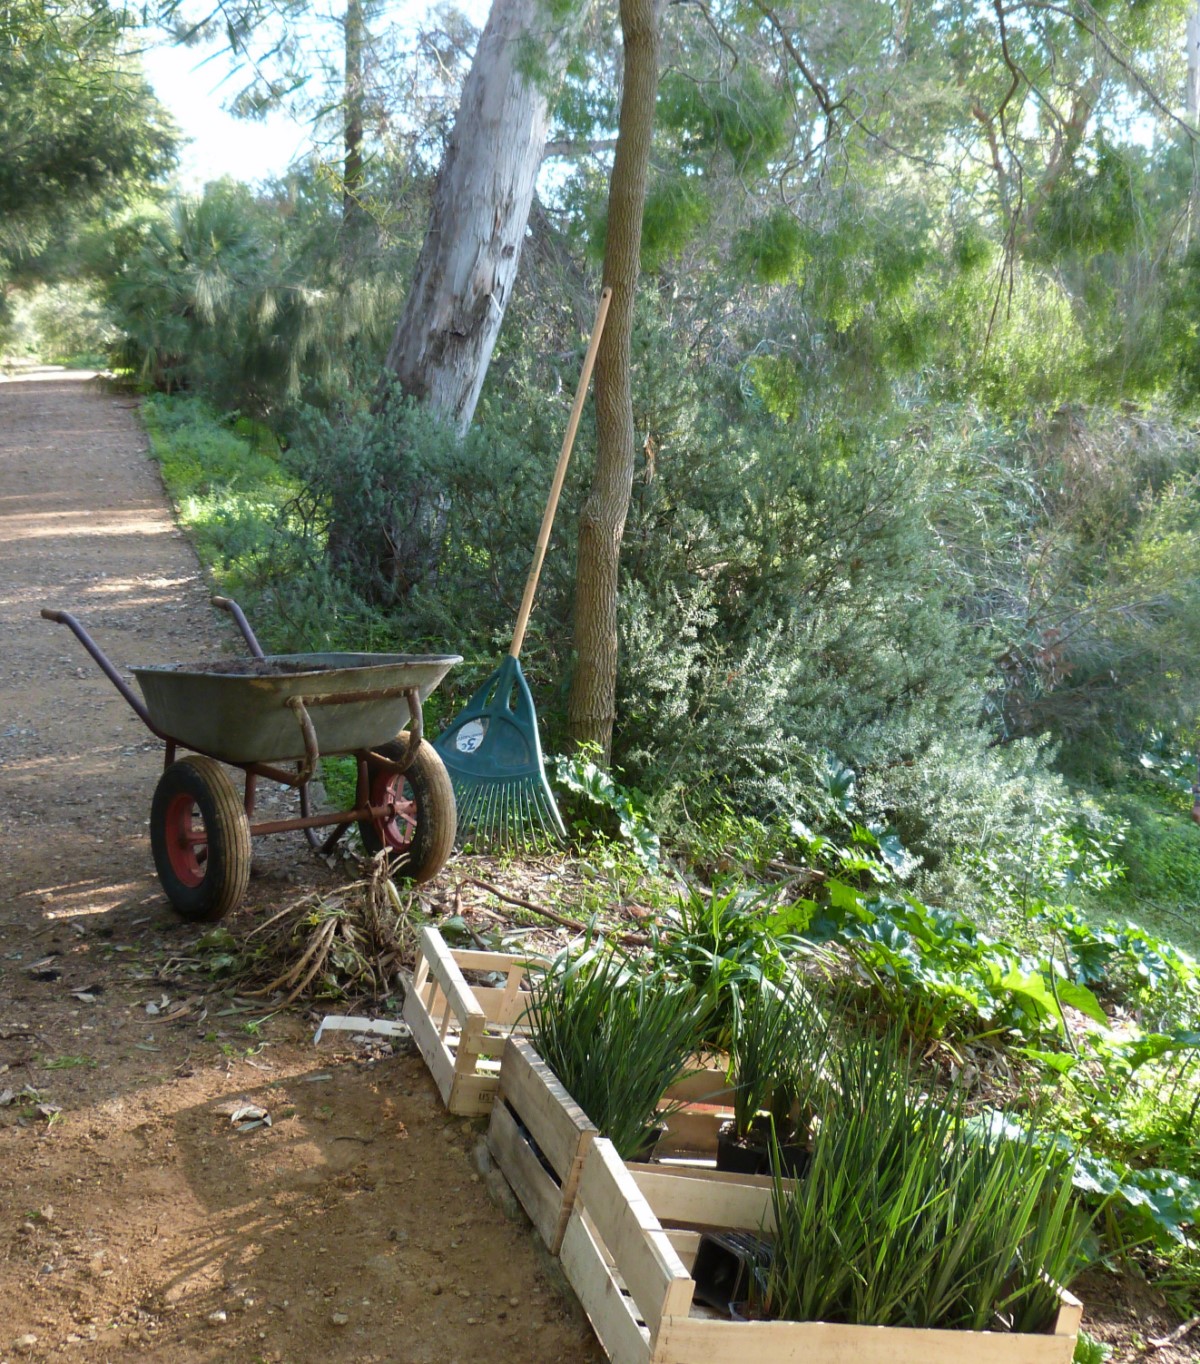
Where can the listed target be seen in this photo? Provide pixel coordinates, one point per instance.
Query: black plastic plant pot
(751, 1155)
(725, 1268)
(645, 1152)
(741, 1155)
(794, 1161)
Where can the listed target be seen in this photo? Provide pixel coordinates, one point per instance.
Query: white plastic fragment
(381, 1027)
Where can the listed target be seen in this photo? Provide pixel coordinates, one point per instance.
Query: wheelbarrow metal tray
(243, 716)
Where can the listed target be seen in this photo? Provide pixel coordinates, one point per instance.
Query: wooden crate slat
(469, 959)
(554, 1122)
(460, 1030)
(553, 1118)
(471, 1096)
(685, 1340)
(631, 1233)
(449, 977)
(692, 1130)
(436, 1054)
(540, 1195)
(500, 1004)
(702, 1086)
(680, 1197)
(685, 1245)
(607, 1307)
(1070, 1314)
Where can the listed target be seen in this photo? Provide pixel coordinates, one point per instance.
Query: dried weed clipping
(340, 946)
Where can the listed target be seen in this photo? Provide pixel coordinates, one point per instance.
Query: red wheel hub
(186, 840)
(398, 828)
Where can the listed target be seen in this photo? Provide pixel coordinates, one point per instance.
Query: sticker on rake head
(468, 739)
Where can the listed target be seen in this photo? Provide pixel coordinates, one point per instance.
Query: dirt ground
(136, 1220)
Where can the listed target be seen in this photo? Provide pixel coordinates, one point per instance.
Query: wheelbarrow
(257, 713)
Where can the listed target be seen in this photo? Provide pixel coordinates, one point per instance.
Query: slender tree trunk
(1193, 109)
(352, 173)
(464, 276)
(1193, 64)
(591, 705)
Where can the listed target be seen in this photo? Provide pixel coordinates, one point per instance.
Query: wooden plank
(515, 999)
(684, 1340)
(539, 1194)
(685, 1245)
(709, 1176)
(471, 1095)
(453, 984)
(688, 1198)
(501, 1005)
(433, 1051)
(1070, 1314)
(554, 1119)
(606, 1306)
(420, 975)
(500, 962)
(693, 1129)
(702, 1087)
(631, 1233)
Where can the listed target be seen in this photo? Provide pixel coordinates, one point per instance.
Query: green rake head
(494, 758)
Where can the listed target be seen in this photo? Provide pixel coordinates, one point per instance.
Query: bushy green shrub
(61, 322)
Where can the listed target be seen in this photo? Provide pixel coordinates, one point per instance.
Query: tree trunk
(591, 705)
(464, 275)
(352, 175)
(1193, 64)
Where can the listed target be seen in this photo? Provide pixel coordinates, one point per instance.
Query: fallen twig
(1175, 1336)
(628, 939)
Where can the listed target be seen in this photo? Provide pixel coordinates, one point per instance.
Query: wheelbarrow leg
(324, 846)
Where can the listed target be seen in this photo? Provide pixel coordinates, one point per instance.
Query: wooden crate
(461, 1028)
(538, 1137)
(627, 1252)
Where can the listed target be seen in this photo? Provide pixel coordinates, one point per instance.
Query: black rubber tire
(427, 785)
(203, 882)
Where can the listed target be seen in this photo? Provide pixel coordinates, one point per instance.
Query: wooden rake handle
(560, 474)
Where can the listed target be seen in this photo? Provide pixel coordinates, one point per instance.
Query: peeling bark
(464, 276)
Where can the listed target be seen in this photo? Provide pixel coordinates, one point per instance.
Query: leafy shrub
(62, 322)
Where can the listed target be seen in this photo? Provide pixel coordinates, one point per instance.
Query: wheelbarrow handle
(105, 665)
(228, 604)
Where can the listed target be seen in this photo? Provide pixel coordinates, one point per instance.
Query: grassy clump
(910, 1216)
(616, 1035)
(226, 481)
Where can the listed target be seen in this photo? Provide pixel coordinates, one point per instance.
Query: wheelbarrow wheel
(200, 837)
(419, 833)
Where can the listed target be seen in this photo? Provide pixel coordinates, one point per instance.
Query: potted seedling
(909, 1217)
(616, 1035)
(777, 1039)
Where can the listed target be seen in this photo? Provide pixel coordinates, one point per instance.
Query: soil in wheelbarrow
(137, 1219)
(249, 667)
